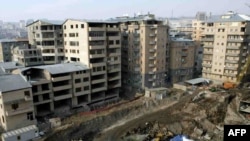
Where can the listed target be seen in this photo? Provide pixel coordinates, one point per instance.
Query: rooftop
(229, 17)
(9, 65)
(61, 68)
(13, 82)
(51, 22)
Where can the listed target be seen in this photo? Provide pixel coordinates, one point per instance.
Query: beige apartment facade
(182, 53)
(16, 104)
(47, 35)
(144, 48)
(226, 47)
(198, 29)
(58, 88)
(98, 45)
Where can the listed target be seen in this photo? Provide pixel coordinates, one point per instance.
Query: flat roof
(197, 81)
(13, 82)
(10, 65)
(229, 17)
(61, 68)
(19, 131)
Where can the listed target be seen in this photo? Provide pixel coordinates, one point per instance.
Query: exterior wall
(98, 45)
(198, 29)
(145, 50)
(49, 38)
(20, 117)
(225, 50)
(182, 60)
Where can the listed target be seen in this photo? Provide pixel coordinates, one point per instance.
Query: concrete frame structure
(47, 35)
(17, 109)
(226, 47)
(27, 55)
(98, 45)
(144, 48)
(58, 88)
(6, 45)
(182, 53)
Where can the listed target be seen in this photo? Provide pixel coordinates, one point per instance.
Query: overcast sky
(15, 10)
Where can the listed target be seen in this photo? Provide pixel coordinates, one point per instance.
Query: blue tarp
(179, 138)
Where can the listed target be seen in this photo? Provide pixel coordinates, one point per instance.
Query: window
(76, 25)
(18, 137)
(27, 93)
(82, 25)
(14, 106)
(78, 89)
(117, 41)
(85, 79)
(71, 26)
(64, 26)
(77, 80)
(3, 119)
(86, 88)
(30, 116)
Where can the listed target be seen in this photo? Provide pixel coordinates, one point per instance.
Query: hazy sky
(15, 10)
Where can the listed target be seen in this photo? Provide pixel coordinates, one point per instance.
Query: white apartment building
(98, 45)
(226, 44)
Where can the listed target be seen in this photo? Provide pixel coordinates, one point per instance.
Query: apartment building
(182, 52)
(198, 29)
(226, 47)
(6, 45)
(47, 35)
(144, 48)
(58, 88)
(16, 103)
(27, 55)
(98, 45)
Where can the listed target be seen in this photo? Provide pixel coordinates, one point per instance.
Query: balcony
(208, 59)
(151, 72)
(150, 80)
(97, 73)
(114, 62)
(152, 35)
(61, 97)
(152, 42)
(98, 81)
(97, 55)
(184, 54)
(113, 29)
(114, 78)
(152, 50)
(55, 79)
(152, 57)
(207, 39)
(153, 27)
(232, 54)
(151, 65)
(42, 102)
(99, 89)
(229, 74)
(231, 68)
(207, 65)
(19, 111)
(244, 47)
(96, 28)
(233, 47)
(96, 47)
(137, 69)
(114, 54)
(136, 42)
(208, 52)
(114, 85)
(97, 38)
(63, 87)
(114, 70)
(97, 64)
(235, 40)
(208, 46)
(82, 93)
(232, 61)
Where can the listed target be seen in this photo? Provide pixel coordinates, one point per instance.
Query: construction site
(199, 115)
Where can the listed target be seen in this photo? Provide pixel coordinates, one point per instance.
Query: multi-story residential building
(226, 47)
(6, 45)
(98, 45)
(47, 35)
(27, 55)
(17, 109)
(57, 88)
(144, 48)
(182, 52)
(198, 29)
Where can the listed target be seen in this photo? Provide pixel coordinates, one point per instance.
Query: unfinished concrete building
(6, 45)
(58, 88)
(226, 43)
(47, 35)
(144, 48)
(27, 55)
(182, 52)
(97, 44)
(17, 109)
